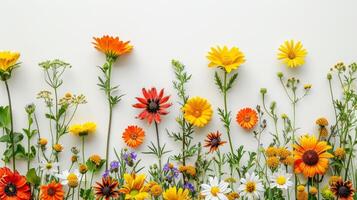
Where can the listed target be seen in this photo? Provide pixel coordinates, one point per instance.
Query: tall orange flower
(112, 47)
(247, 118)
(52, 191)
(311, 156)
(133, 136)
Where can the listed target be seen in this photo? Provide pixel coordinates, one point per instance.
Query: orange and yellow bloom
(292, 54)
(112, 47)
(247, 118)
(133, 136)
(225, 58)
(197, 111)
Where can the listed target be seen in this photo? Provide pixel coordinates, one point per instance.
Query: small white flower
(69, 178)
(48, 167)
(215, 190)
(281, 180)
(251, 187)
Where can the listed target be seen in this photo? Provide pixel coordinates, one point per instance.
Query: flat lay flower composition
(292, 165)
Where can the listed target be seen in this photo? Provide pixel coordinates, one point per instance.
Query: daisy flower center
(49, 166)
(153, 106)
(343, 191)
(250, 186)
(291, 55)
(214, 190)
(10, 189)
(281, 180)
(310, 157)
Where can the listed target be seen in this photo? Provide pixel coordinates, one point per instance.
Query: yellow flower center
(196, 113)
(72, 180)
(291, 55)
(134, 192)
(214, 190)
(49, 166)
(250, 186)
(281, 180)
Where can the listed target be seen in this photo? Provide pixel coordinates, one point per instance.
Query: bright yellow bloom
(227, 59)
(89, 127)
(134, 187)
(96, 159)
(42, 141)
(83, 129)
(156, 190)
(8, 60)
(313, 190)
(340, 153)
(57, 147)
(273, 162)
(173, 194)
(197, 111)
(293, 54)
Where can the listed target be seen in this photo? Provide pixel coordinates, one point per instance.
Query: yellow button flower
(225, 58)
(292, 53)
(197, 111)
(8, 60)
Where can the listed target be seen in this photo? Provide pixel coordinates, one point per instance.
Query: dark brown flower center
(215, 142)
(10, 189)
(106, 191)
(51, 191)
(153, 106)
(343, 191)
(310, 157)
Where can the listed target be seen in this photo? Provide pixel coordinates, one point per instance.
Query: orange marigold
(133, 136)
(112, 47)
(52, 191)
(247, 118)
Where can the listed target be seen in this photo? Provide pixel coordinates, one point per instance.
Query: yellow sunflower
(197, 111)
(293, 54)
(8, 60)
(176, 194)
(227, 59)
(134, 188)
(311, 156)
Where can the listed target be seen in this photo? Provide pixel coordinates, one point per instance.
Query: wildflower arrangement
(288, 163)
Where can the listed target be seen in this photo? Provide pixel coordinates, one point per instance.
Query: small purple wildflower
(190, 187)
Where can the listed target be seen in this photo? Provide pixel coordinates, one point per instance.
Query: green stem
(158, 146)
(108, 92)
(226, 112)
(11, 127)
(83, 154)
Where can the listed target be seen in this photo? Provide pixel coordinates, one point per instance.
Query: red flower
(13, 186)
(154, 105)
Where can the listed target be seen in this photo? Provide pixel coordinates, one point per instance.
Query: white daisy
(48, 167)
(281, 180)
(215, 190)
(69, 178)
(251, 187)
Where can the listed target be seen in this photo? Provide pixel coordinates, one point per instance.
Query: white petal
(206, 187)
(222, 196)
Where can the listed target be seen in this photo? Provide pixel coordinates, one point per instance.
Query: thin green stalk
(108, 92)
(226, 112)
(158, 146)
(11, 126)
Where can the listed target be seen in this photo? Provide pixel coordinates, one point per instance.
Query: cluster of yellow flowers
(278, 155)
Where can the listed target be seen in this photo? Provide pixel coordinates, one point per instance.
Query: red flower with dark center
(13, 186)
(213, 141)
(107, 189)
(343, 190)
(154, 105)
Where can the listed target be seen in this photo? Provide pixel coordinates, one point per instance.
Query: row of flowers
(291, 165)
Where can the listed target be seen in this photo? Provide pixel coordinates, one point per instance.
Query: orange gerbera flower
(247, 118)
(14, 186)
(311, 156)
(133, 136)
(52, 191)
(111, 46)
(213, 141)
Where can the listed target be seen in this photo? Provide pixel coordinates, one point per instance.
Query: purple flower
(172, 172)
(189, 186)
(114, 165)
(130, 158)
(105, 174)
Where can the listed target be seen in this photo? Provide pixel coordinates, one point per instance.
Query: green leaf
(5, 138)
(231, 81)
(32, 177)
(49, 116)
(218, 82)
(4, 117)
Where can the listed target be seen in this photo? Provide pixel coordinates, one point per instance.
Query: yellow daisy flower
(197, 111)
(227, 59)
(176, 194)
(134, 188)
(293, 54)
(8, 60)
(83, 129)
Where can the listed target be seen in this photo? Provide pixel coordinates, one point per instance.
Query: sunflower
(154, 105)
(343, 190)
(227, 59)
(14, 186)
(107, 189)
(293, 54)
(197, 111)
(134, 188)
(133, 136)
(213, 141)
(52, 191)
(247, 118)
(112, 47)
(311, 156)
(8, 60)
(176, 194)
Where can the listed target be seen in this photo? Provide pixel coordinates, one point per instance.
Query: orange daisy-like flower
(14, 186)
(133, 136)
(107, 189)
(343, 190)
(213, 141)
(52, 191)
(247, 118)
(112, 47)
(154, 105)
(311, 156)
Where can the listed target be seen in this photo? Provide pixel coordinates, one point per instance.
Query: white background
(185, 30)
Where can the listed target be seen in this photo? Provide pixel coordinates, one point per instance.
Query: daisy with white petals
(281, 180)
(69, 178)
(251, 187)
(215, 190)
(48, 167)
